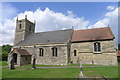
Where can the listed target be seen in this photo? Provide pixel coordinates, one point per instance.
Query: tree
(5, 51)
(119, 47)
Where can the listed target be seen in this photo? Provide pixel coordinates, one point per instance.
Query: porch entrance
(15, 58)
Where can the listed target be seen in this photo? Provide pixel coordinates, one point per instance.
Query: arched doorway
(15, 58)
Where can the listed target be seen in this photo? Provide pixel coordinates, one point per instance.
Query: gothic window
(54, 52)
(41, 52)
(20, 26)
(29, 28)
(75, 52)
(97, 47)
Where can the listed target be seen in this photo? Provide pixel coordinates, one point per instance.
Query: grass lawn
(26, 72)
(40, 73)
(109, 72)
(3, 63)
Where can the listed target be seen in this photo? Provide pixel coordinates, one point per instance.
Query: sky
(51, 16)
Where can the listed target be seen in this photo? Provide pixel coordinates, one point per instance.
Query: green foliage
(118, 46)
(5, 51)
(6, 48)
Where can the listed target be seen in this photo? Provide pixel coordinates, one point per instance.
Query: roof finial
(17, 19)
(34, 21)
(25, 16)
(72, 27)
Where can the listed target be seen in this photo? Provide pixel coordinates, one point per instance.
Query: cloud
(111, 19)
(46, 20)
(7, 30)
(7, 24)
(111, 7)
(49, 20)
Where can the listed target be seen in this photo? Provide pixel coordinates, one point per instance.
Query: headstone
(11, 66)
(33, 65)
(81, 74)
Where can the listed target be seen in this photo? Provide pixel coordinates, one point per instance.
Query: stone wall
(86, 53)
(10, 56)
(48, 59)
(24, 60)
(21, 33)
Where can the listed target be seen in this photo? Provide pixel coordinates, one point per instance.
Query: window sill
(97, 52)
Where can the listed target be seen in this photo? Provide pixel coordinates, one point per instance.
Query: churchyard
(69, 71)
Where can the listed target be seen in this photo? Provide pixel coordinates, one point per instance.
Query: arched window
(75, 52)
(54, 52)
(97, 47)
(41, 52)
(20, 26)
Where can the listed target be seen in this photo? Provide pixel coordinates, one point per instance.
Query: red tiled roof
(92, 34)
(118, 53)
(20, 51)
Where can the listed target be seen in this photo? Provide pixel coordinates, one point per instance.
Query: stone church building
(61, 47)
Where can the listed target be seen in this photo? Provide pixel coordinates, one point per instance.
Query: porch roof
(20, 51)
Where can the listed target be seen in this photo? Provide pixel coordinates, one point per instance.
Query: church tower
(24, 27)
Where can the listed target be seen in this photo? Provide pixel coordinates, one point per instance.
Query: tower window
(97, 47)
(30, 28)
(75, 52)
(20, 26)
(54, 52)
(41, 52)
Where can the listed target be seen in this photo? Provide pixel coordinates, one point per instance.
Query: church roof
(20, 51)
(92, 34)
(60, 36)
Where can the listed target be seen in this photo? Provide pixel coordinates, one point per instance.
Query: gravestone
(80, 65)
(11, 66)
(33, 65)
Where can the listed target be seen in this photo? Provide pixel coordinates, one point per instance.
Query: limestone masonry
(62, 47)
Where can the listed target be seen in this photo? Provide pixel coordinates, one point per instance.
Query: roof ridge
(52, 31)
(90, 29)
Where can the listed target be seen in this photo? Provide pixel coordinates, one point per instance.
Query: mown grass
(109, 72)
(3, 63)
(40, 73)
(26, 72)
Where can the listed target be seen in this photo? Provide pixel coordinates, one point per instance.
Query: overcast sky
(51, 16)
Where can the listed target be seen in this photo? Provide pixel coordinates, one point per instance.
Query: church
(62, 47)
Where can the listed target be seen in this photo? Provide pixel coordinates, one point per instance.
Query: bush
(4, 56)
(119, 47)
(5, 51)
